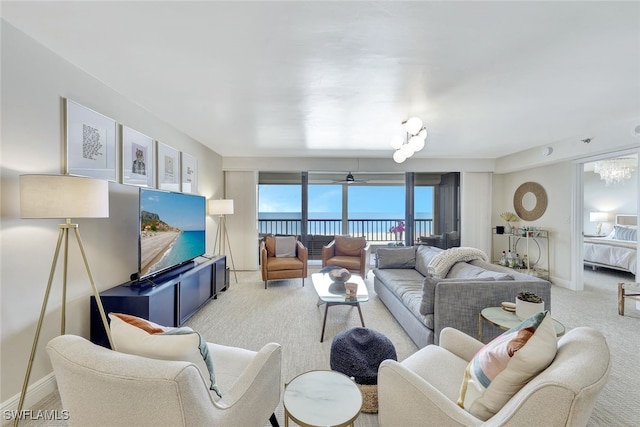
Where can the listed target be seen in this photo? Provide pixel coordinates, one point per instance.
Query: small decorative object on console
(340, 275)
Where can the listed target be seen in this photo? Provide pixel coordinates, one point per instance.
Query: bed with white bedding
(618, 250)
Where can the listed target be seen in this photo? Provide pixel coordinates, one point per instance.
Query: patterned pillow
(503, 366)
(141, 337)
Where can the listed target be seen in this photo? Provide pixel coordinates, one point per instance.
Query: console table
(168, 299)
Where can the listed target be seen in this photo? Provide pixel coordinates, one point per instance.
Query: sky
(328, 199)
(184, 211)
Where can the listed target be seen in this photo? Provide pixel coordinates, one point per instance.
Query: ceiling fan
(349, 179)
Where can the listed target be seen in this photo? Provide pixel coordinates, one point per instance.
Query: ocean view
(338, 215)
(189, 244)
(328, 223)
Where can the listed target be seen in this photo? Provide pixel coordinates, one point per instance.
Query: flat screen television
(172, 230)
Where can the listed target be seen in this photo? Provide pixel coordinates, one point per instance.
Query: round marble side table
(322, 398)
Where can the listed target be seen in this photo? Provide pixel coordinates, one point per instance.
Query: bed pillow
(621, 232)
(134, 335)
(503, 366)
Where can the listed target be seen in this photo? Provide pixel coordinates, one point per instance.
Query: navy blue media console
(168, 299)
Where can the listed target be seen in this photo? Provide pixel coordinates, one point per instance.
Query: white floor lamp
(62, 196)
(222, 207)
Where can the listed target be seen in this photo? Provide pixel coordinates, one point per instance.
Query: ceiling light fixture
(613, 171)
(416, 134)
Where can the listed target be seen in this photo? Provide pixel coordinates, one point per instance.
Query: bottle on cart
(525, 261)
(510, 260)
(503, 258)
(517, 261)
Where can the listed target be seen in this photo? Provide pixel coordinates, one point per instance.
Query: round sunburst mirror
(530, 201)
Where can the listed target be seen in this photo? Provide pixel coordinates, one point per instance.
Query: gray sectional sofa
(425, 295)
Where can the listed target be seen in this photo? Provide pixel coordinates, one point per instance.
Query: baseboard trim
(563, 283)
(35, 393)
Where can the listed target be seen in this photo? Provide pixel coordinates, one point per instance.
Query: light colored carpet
(249, 316)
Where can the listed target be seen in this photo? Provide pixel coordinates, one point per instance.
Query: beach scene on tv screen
(172, 229)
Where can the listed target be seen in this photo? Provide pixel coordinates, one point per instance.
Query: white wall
(557, 182)
(34, 82)
(476, 191)
(242, 187)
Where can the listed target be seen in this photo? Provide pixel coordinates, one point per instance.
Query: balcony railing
(375, 230)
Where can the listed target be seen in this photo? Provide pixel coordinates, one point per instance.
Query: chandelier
(613, 171)
(414, 142)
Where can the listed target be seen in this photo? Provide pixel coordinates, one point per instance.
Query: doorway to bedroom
(607, 215)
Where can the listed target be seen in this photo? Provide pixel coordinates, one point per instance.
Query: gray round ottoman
(357, 353)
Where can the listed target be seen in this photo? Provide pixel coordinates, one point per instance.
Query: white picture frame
(168, 167)
(189, 171)
(138, 158)
(90, 148)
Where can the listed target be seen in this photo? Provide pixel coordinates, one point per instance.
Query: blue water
(338, 215)
(189, 244)
(293, 226)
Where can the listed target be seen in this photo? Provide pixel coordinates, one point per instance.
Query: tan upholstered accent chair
(424, 387)
(276, 268)
(102, 387)
(347, 252)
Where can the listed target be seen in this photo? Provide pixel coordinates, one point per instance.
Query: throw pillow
(503, 366)
(396, 257)
(285, 247)
(424, 254)
(442, 262)
(141, 337)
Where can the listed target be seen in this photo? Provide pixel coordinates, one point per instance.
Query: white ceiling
(336, 78)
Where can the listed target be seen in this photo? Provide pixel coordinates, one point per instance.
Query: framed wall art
(90, 148)
(189, 173)
(138, 160)
(168, 168)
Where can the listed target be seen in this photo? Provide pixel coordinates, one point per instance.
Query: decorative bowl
(340, 275)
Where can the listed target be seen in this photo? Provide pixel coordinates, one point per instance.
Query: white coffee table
(322, 398)
(333, 293)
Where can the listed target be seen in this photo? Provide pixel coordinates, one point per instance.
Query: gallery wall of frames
(97, 146)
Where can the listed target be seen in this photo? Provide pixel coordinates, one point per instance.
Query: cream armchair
(424, 387)
(102, 387)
